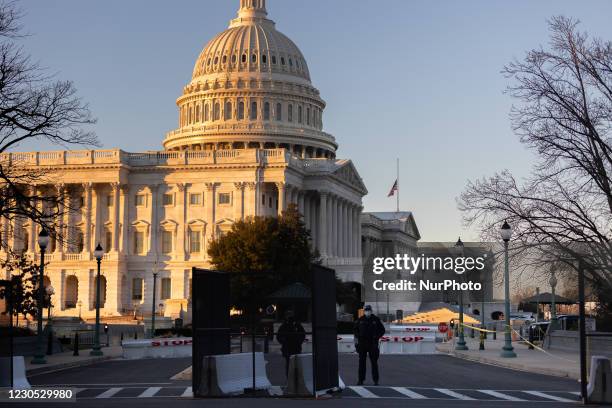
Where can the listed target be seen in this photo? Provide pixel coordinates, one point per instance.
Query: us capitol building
(249, 141)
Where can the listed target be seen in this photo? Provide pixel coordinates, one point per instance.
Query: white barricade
(346, 343)
(229, 374)
(157, 348)
(20, 381)
(300, 379)
(409, 339)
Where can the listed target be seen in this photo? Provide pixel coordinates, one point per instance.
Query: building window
(253, 110)
(139, 242)
(267, 111)
(197, 113)
(279, 112)
(225, 198)
(166, 242)
(166, 288)
(108, 240)
(308, 116)
(290, 113)
(274, 59)
(168, 199)
(194, 242)
(224, 59)
(299, 114)
(244, 58)
(228, 110)
(282, 60)
(241, 111)
(270, 202)
(264, 59)
(217, 111)
(195, 199)
(206, 113)
(254, 58)
(80, 242)
(140, 200)
(263, 199)
(137, 289)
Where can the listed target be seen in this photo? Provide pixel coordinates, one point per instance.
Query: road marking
(551, 397)
(149, 392)
(503, 396)
(454, 394)
(363, 392)
(409, 393)
(109, 393)
(188, 393)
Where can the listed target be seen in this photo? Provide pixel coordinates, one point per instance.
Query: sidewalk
(61, 361)
(556, 363)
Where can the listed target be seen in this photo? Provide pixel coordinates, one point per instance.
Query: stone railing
(165, 158)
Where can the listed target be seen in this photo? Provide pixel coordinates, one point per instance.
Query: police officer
(368, 331)
(290, 335)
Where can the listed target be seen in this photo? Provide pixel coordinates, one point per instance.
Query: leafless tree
(34, 106)
(562, 210)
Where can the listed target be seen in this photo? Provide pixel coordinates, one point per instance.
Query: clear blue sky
(415, 79)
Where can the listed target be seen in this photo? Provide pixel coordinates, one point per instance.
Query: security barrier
(230, 374)
(300, 379)
(20, 381)
(599, 390)
(409, 340)
(157, 348)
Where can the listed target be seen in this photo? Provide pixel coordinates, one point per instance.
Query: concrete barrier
(20, 381)
(300, 379)
(228, 375)
(157, 348)
(599, 390)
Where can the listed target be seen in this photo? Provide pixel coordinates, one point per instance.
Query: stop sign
(442, 327)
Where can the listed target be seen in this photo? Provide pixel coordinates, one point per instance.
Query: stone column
(115, 218)
(330, 226)
(179, 247)
(345, 230)
(351, 233)
(239, 201)
(322, 240)
(125, 220)
(306, 211)
(300, 202)
(281, 197)
(358, 210)
(252, 198)
(87, 187)
(333, 218)
(154, 188)
(210, 204)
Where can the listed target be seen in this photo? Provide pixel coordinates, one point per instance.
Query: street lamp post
(50, 292)
(553, 306)
(507, 350)
(96, 351)
(43, 241)
(461, 345)
(153, 308)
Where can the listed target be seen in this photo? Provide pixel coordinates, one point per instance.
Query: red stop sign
(442, 327)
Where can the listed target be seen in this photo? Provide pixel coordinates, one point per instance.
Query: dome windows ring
(224, 59)
(274, 59)
(234, 59)
(216, 60)
(264, 58)
(282, 60)
(244, 58)
(254, 58)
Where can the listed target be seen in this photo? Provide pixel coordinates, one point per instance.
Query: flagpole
(398, 187)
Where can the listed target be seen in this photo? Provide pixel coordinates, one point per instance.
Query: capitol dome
(251, 88)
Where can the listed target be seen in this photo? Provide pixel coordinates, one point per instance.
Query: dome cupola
(251, 88)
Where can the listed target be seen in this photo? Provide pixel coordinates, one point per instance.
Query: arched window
(308, 116)
(189, 115)
(253, 110)
(224, 59)
(299, 114)
(267, 111)
(282, 60)
(80, 242)
(264, 58)
(208, 62)
(290, 62)
(71, 292)
(274, 59)
(234, 59)
(244, 58)
(290, 113)
(254, 58)
(241, 111)
(198, 113)
(26, 240)
(279, 112)
(216, 60)
(217, 111)
(228, 110)
(206, 113)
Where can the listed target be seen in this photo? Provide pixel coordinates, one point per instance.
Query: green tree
(264, 254)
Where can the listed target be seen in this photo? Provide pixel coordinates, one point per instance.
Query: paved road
(427, 381)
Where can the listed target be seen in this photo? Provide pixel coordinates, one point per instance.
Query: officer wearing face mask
(290, 335)
(368, 331)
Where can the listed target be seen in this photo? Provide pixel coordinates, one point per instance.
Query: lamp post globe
(39, 356)
(507, 350)
(96, 351)
(459, 250)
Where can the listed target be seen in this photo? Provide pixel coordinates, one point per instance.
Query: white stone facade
(249, 142)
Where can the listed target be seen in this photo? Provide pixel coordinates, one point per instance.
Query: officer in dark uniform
(368, 331)
(290, 335)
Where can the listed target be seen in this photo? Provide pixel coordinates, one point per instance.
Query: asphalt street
(421, 381)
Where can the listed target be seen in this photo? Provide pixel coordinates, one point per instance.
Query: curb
(64, 366)
(520, 367)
